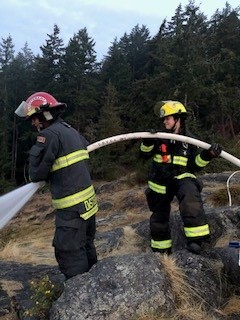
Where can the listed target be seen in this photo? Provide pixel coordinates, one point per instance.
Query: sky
(32, 20)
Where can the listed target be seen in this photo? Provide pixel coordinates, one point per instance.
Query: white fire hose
(12, 202)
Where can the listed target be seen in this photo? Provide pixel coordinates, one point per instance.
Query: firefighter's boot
(194, 247)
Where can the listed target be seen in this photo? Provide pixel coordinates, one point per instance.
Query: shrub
(45, 292)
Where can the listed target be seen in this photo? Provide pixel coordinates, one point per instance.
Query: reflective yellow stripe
(69, 159)
(186, 175)
(200, 162)
(164, 244)
(89, 213)
(158, 158)
(157, 187)
(197, 231)
(74, 199)
(144, 148)
(182, 161)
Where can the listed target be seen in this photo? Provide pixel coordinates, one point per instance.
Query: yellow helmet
(168, 108)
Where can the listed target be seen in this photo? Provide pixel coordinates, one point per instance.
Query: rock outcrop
(130, 281)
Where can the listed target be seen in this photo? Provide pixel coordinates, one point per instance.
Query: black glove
(147, 141)
(215, 150)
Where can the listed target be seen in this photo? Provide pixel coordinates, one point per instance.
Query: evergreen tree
(6, 58)
(177, 62)
(47, 66)
(22, 69)
(6, 51)
(117, 70)
(224, 61)
(135, 46)
(107, 161)
(79, 79)
(109, 120)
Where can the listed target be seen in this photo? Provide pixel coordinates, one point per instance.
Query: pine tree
(106, 164)
(79, 79)
(47, 66)
(224, 60)
(6, 58)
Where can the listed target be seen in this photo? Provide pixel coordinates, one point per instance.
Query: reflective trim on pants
(163, 244)
(200, 231)
(186, 175)
(157, 187)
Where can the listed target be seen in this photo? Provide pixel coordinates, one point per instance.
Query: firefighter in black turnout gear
(172, 174)
(59, 157)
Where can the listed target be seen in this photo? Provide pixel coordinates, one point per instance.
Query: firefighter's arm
(147, 146)
(85, 142)
(202, 159)
(42, 156)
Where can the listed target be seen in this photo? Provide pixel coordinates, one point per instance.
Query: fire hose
(12, 202)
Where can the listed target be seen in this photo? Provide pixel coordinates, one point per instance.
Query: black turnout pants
(74, 246)
(188, 193)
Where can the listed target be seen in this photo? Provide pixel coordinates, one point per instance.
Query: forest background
(191, 59)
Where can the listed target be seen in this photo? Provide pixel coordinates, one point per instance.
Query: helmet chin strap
(44, 119)
(40, 127)
(47, 115)
(174, 126)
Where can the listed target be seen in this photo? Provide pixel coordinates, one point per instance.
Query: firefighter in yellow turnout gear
(172, 174)
(59, 157)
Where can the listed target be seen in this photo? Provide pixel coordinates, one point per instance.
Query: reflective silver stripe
(200, 162)
(164, 244)
(186, 175)
(157, 187)
(144, 148)
(158, 158)
(182, 161)
(74, 199)
(197, 231)
(69, 159)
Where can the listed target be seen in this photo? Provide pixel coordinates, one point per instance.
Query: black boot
(194, 247)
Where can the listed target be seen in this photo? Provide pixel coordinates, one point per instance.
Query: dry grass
(232, 307)
(224, 240)
(10, 316)
(187, 298)
(219, 197)
(130, 243)
(129, 202)
(11, 287)
(28, 244)
(29, 252)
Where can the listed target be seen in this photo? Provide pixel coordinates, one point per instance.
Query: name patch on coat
(41, 139)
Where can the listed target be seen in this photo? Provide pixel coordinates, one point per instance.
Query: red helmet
(37, 103)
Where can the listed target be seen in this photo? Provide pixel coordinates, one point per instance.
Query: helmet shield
(25, 110)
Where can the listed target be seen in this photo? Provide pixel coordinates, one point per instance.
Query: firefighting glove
(213, 152)
(149, 142)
